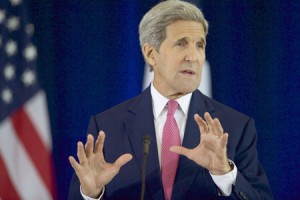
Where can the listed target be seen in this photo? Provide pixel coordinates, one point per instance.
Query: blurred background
(89, 60)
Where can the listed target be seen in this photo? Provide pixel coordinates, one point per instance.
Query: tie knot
(172, 106)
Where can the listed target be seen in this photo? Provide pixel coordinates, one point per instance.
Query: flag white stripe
(36, 110)
(205, 85)
(148, 76)
(21, 170)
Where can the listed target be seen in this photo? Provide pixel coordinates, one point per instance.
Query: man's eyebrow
(184, 39)
(203, 40)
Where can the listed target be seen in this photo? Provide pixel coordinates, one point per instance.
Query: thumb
(122, 160)
(180, 150)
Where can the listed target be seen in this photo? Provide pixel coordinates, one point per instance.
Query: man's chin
(188, 88)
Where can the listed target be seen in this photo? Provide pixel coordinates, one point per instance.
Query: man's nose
(191, 54)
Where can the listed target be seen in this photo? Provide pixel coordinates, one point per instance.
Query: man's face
(178, 64)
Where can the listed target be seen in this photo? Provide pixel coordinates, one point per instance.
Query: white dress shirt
(160, 112)
(159, 102)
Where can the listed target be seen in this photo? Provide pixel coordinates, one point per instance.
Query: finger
(89, 145)
(81, 153)
(218, 128)
(100, 143)
(209, 122)
(201, 123)
(224, 140)
(122, 160)
(76, 166)
(180, 150)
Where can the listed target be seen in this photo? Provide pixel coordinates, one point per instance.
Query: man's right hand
(92, 170)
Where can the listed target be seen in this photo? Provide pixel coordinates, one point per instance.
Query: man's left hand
(211, 153)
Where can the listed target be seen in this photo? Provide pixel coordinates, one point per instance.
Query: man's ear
(148, 52)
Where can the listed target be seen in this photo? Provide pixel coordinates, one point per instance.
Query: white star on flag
(30, 52)
(11, 48)
(15, 2)
(13, 23)
(6, 95)
(29, 29)
(28, 77)
(2, 16)
(9, 72)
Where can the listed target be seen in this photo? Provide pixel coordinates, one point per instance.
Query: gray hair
(152, 28)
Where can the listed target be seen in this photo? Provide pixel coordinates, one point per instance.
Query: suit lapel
(187, 169)
(140, 123)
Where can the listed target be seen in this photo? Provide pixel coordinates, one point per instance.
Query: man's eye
(200, 45)
(181, 44)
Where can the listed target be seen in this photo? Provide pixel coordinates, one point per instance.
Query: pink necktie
(169, 160)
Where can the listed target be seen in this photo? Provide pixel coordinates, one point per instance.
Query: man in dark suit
(190, 157)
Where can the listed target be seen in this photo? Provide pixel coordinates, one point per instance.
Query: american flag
(26, 165)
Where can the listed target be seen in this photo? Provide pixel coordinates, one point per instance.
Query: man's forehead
(185, 29)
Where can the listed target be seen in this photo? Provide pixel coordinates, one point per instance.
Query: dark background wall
(90, 60)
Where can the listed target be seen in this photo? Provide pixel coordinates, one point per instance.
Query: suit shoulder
(224, 110)
(114, 117)
(117, 109)
(126, 107)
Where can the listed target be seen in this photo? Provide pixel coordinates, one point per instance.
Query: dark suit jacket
(127, 123)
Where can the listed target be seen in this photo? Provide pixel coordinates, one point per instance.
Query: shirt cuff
(225, 182)
(89, 198)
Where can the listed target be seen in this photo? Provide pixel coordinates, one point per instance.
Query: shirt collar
(159, 102)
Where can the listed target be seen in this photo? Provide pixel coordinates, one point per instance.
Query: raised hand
(92, 170)
(211, 153)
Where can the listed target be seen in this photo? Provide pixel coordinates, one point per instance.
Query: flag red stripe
(7, 190)
(35, 148)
